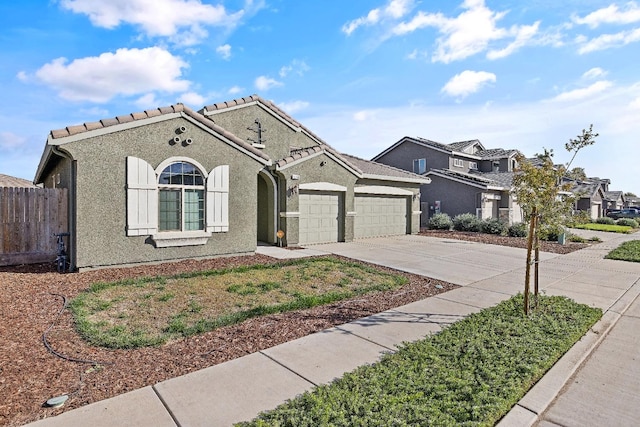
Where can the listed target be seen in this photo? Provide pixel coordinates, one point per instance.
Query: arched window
(181, 198)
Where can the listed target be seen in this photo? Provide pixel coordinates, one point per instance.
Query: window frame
(473, 165)
(422, 166)
(458, 163)
(182, 213)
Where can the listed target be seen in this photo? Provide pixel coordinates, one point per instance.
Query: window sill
(180, 238)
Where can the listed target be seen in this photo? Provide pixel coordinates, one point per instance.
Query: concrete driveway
(455, 261)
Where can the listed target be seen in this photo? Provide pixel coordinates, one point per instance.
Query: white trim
(113, 128)
(180, 238)
(422, 180)
(354, 213)
(416, 212)
(289, 214)
(336, 159)
(322, 186)
(380, 189)
(176, 159)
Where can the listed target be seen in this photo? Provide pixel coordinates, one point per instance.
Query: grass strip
(627, 251)
(469, 374)
(605, 227)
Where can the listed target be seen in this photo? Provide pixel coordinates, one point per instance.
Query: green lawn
(470, 374)
(151, 311)
(628, 251)
(605, 227)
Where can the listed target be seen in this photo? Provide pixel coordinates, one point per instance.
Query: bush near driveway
(470, 374)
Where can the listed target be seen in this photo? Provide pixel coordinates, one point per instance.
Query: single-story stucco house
(174, 183)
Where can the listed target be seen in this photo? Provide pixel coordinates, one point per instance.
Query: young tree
(544, 198)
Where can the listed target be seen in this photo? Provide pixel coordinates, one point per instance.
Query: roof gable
(270, 107)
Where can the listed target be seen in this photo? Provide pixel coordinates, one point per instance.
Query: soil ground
(33, 369)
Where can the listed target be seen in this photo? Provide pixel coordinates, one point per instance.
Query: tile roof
(613, 195)
(462, 145)
(496, 179)
(496, 153)
(583, 188)
(369, 167)
(220, 106)
(176, 108)
(12, 181)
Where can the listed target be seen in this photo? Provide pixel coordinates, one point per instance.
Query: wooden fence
(28, 219)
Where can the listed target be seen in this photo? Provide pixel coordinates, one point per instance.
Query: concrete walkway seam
(166, 406)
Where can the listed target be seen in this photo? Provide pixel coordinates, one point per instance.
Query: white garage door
(318, 217)
(380, 216)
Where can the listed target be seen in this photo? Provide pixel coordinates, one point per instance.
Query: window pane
(169, 210)
(194, 210)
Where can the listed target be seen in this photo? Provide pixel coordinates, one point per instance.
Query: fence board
(28, 219)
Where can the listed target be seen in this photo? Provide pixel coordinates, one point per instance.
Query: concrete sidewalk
(238, 390)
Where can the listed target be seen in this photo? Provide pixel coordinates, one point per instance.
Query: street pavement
(597, 382)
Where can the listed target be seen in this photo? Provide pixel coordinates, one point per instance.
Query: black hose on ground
(54, 352)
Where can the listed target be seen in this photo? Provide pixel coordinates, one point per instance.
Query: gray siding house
(466, 177)
(173, 183)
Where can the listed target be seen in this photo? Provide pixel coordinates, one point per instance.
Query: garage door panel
(380, 216)
(318, 218)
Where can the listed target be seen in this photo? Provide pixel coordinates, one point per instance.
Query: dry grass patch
(152, 311)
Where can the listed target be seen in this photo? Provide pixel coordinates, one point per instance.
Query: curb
(539, 398)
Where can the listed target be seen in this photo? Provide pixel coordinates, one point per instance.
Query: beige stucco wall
(100, 232)
(279, 137)
(311, 171)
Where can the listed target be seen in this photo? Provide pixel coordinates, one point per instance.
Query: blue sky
(360, 74)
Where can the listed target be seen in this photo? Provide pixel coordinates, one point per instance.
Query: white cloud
(182, 21)
(418, 54)
(607, 41)
(363, 115)
(469, 33)
(296, 66)
(583, 93)
(234, 90)
(372, 18)
(293, 106)
(611, 15)
(594, 73)
(126, 72)
(192, 99)
(523, 36)
(9, 140)
(147, 101)
(395, 9)
(265, 83)
(526, 126)
(468, 82)
(224, 51)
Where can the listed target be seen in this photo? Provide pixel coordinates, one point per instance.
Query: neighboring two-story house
(465, 177)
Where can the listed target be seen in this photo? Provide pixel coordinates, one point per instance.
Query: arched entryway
(267, 204)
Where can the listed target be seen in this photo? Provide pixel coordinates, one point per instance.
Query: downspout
(71, 204)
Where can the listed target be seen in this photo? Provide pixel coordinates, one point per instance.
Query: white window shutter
(142, 198)
(218, 200)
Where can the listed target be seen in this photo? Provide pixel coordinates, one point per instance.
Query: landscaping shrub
(519, 229)
(550, 233)
(579, 217)
(628, 222)
(494, 226)
(576, 239)
(467, 222)
(440, 221)
(605, 220)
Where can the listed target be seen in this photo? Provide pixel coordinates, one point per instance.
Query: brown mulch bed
(31, 300)
(514, 242)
